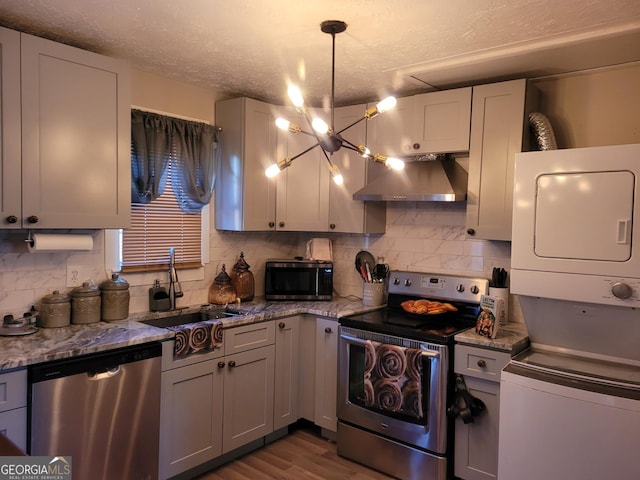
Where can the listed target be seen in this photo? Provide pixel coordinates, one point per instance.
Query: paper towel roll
(46, 242)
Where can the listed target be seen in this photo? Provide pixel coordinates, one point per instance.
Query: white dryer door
(584, 216)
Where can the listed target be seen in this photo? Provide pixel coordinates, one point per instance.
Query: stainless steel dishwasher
(102, 410)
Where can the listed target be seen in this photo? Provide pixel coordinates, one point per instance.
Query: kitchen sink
(193, 317)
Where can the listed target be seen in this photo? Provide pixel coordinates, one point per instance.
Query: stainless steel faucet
(175, 291)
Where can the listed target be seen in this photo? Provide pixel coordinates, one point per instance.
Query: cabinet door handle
(482, 363)
(281, 325)
(332, 226)
(272, 224)
(328, 330)
(232, 363)
(281, 224)
(220, 364)
(32, 219)
(471, 231)
(416, 146)
(12, 219)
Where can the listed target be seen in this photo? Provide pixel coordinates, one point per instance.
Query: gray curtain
(192, 149)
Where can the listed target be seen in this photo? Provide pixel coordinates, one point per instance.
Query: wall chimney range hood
(436, 179)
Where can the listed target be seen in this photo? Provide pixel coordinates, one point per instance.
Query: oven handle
(361, 342)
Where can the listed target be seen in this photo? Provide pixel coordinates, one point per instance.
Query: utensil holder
(373, 294)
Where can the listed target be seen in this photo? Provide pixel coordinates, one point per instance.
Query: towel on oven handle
(393, 378)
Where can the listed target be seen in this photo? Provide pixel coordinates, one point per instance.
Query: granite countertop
(512, 337)
(57, 343)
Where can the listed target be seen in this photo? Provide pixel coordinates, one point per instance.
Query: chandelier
(325, 135)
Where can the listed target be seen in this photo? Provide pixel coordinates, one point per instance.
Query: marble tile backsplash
(421, 236)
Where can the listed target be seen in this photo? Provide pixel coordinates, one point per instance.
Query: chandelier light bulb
(394, 163)
(282, 123)
(272, 171)
(320, 126)
(337, 177)
(386, 104)
(276, 168)
(364, 151)
(295, 95)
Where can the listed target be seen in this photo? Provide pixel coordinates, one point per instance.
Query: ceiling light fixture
(326, 137)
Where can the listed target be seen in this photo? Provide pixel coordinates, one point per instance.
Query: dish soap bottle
(222, 290)
(242, 279)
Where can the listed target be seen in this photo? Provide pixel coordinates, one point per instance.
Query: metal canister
(55, 310)
(85, 304)
(115, 298)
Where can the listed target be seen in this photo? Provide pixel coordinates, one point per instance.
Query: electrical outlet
(74, 276)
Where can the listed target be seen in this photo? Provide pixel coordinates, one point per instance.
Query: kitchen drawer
(13, 390)
(480, 362)
(248, 337)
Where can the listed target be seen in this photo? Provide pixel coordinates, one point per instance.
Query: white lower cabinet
(285, 395)
(267, 376)
(13, 407)
(215, 402)
(248, 397)
(476, 444)
(190, 416)
(326, 374)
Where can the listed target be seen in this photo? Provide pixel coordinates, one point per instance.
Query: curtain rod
(181, 117)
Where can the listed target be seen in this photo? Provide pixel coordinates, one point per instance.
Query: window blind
(157, 226)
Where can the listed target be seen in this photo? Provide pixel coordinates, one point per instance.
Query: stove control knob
(475, 289)
(396, 281)
(460, 288)
(407, 282)
(621, 290)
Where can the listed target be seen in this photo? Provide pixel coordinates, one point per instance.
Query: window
(157, 226)
(173, 169)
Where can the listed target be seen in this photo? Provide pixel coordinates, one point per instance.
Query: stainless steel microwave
(292, 279)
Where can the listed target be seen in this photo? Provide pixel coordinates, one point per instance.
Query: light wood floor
(301, 454)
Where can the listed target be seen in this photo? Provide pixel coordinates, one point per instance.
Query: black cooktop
(395, 321)
(462, 292)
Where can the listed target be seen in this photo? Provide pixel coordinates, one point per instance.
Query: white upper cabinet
(75, 126)
(302, 192)
(500, 129)
(246, 200)
(245, 197)
(434, 122)
(345, 214)
(10, 148)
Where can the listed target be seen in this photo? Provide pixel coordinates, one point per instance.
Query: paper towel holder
(29, 241)
(58, 242)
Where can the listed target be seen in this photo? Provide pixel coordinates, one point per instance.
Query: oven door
(418, 417)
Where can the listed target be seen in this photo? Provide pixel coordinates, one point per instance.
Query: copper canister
(115, 297)
(55, 310)
(242, 280)
(85, 304)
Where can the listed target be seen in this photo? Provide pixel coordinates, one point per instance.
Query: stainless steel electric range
(395, 376)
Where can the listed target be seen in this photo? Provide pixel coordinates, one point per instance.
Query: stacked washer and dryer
(570, 404)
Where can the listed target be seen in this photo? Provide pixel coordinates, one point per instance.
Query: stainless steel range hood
(439, 180)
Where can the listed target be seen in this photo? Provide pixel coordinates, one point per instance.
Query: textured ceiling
(254, 47)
